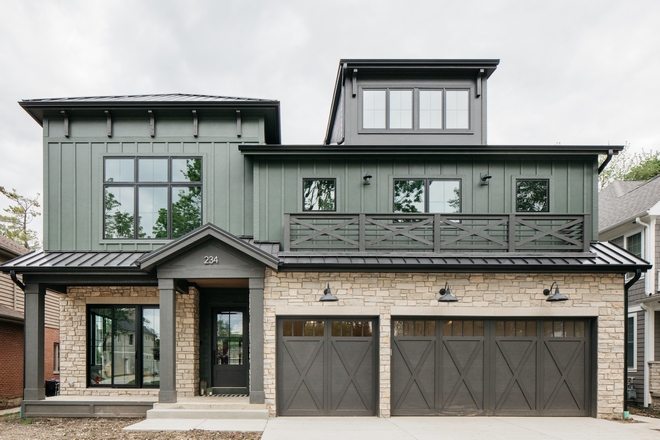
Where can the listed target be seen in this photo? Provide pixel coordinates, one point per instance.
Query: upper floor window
(427, 195)
(532, 195)
(146, 197)
(423, 109)
(634, 244)
(319, 194)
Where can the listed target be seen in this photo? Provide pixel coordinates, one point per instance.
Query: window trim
(517, 179)
(56, 358)
(415, 110)
(626, 236)
(302, 194)
(139, 355)
(136, 184)
(632, 316)
(427, 181)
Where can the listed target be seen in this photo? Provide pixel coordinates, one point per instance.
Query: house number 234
(210, 259)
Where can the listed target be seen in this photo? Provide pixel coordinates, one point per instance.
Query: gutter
(16, 281)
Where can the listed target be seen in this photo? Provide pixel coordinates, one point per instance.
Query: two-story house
(12, 331)
(628, 217)
(402, 267)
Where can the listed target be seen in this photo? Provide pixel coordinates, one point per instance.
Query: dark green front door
(230, 350)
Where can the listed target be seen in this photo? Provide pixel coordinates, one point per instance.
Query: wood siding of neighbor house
(278, 185)
(73, 173)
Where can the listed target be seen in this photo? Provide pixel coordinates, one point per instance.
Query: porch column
(257, 340)
(33, 327)
(167, 392)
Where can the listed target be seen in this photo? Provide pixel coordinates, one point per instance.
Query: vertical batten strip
(152, 123)
(195, 123)
(239, 124)
(109, 123)
(66, 123)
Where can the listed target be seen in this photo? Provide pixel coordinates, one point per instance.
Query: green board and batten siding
(278, 185)
(73, 175)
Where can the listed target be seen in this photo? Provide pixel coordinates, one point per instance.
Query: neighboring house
(11, 332)
(628, 213)
(319, 279)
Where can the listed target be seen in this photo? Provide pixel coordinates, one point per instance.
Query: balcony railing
(520, 232)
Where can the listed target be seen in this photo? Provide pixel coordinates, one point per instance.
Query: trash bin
(51, 387)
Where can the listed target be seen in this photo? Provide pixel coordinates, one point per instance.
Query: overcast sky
(575, 72)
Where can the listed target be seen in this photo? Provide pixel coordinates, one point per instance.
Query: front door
(230, 350)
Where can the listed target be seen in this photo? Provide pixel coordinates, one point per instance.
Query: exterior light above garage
(327, 295)
(445, 294)
(557, 296)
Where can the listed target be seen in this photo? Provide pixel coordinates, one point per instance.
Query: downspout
(628, 285)
(649, 249)
(607, 160)
(649, 324)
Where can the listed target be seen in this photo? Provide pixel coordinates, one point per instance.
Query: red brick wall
(11, 361)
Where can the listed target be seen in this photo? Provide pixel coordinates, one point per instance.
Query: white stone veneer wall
(73, 338)
(384, 295)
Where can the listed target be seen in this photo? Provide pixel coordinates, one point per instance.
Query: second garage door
(491, 367)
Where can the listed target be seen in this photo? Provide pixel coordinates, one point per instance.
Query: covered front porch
(188, 287)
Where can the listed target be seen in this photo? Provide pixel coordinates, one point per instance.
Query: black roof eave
(271, 108)
(463, 268)
(366, 150)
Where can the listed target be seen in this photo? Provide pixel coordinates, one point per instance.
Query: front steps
(230, 408)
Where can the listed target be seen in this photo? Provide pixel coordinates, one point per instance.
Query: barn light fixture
(327, 295)
(557, 296)
(367, 178)
(445, 294)
(485, 178)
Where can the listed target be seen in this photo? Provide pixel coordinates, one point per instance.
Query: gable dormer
(398, 102)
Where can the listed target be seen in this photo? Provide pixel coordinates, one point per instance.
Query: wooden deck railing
(520, 232)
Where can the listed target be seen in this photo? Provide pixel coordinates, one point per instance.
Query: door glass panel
(366, 329)
(579, 329)
(150, 347)
(124, 344)
(430, 328)
(230, 338)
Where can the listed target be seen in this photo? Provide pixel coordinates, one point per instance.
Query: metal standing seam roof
(605, 257)
(160, 98)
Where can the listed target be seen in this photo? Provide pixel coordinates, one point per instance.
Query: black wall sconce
(367, 178)
(445, 294)
(557, 296)
(485, 178)
(327, 295)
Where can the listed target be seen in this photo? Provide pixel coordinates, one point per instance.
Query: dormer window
(415, 109)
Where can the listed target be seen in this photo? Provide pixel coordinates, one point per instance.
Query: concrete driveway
(464, 428)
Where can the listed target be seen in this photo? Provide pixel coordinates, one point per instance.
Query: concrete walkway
(422, 428)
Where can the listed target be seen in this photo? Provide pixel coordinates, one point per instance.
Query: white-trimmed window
(415, 109)
(631, 342)
(634, 244)
(56, 358)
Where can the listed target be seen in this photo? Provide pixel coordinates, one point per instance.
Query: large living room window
(419, 109)
(427, 195)
(151, 197)
(123, 346)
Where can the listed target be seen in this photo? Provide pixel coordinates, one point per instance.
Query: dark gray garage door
(326, 367)
(491, 367)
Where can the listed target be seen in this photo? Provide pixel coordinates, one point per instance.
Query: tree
(20, 214)
(630, 165)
